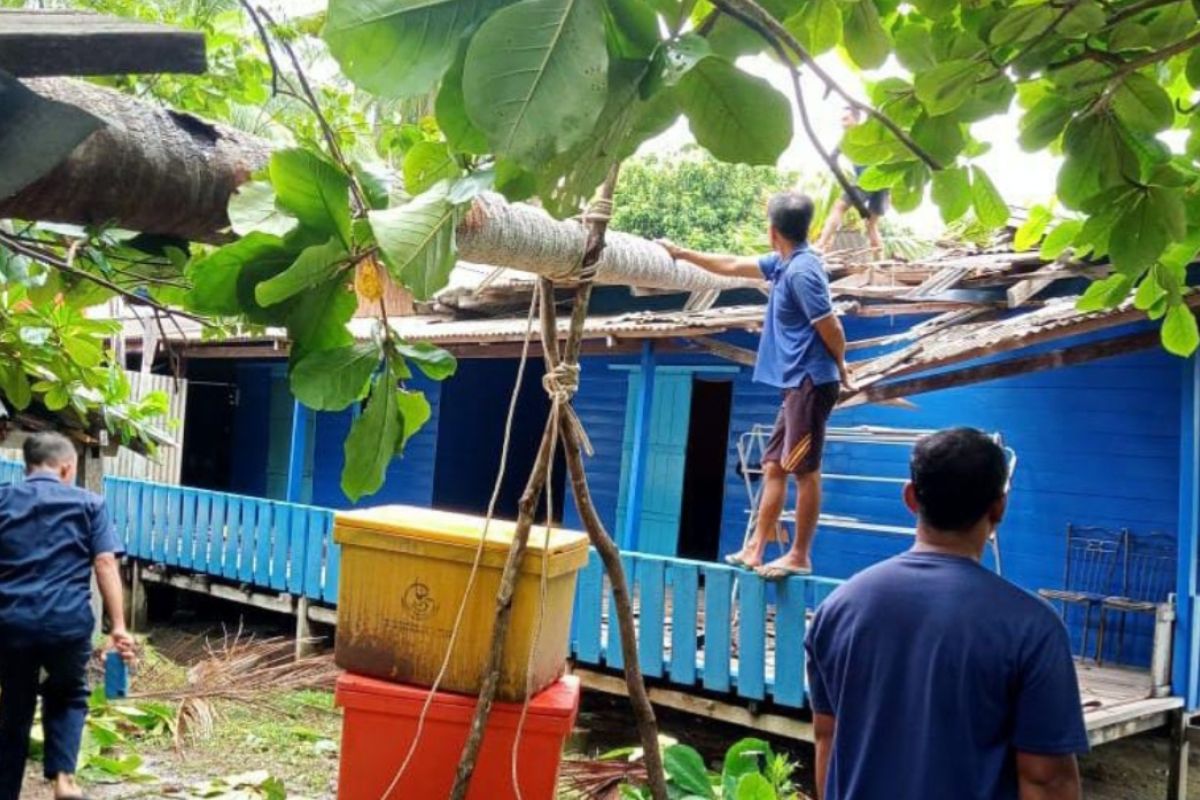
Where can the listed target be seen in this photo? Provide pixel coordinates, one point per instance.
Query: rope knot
(561, 383)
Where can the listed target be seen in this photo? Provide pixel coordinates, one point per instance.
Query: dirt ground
(291, 741)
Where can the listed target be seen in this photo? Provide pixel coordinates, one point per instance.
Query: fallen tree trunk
(158, 171)
(148, 169)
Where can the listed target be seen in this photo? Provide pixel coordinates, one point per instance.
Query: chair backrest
(1149, 566)
(1093, 555)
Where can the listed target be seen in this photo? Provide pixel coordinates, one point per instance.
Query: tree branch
(1133, 65)
(758, 19)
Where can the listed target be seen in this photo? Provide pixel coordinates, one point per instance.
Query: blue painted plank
(297, 545)
(314, 556)
(685, 588)
(234, 509)
(789, 643)
(216, 544)
(251, 509)
(171, 537)
(652, 616)
(333, 559)
(613, 655)
(281, 531)
(718, 584)
(187, 529)
(589, 595)
(752, 636)
(158, 527)
(141, 502)
(203, 533)
(262, 540)
(116, 497)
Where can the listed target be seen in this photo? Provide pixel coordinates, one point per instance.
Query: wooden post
(640, 451)
(304, 643)
(1177, 775)
(1187, 630)
(91, 477)
(139, 609)
(297, 452)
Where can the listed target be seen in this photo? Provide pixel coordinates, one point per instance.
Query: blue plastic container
(116, 676)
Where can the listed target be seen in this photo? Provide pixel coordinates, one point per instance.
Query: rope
(600, 210)
(491, 510)
(561, 384)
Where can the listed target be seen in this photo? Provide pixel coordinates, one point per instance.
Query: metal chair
(1093, 555)
(1147, 579)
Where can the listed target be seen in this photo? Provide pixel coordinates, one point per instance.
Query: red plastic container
(381, 719)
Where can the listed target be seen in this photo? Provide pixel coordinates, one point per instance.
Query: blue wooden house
(1104, 425)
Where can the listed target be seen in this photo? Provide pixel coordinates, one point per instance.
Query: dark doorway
(208, 435)
(471, 416)
(704, 469)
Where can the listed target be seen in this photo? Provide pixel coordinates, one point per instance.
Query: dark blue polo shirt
(790, 349)
(938, 672)
(50, 535)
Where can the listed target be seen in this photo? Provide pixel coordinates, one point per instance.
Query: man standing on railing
(802, 352)
(53, 535)
(932, 677)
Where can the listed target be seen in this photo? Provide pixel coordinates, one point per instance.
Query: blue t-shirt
(937, 671)
(50, 535)
(790, 349)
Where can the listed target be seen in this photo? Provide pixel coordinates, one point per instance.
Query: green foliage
(697, 201)
(750, 771)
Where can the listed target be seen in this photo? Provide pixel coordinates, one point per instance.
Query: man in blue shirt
(931, 676)
(53, 535)
(802, 352)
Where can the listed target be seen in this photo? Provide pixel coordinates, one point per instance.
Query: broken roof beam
(62, 42)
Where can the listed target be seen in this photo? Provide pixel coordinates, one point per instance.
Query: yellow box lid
(416, 524)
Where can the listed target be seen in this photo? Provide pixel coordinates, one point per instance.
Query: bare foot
(65, 786)
(749, 556)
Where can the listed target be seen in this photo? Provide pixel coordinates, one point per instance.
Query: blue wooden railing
(701, 625)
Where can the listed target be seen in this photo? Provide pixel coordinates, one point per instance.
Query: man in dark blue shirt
(931, 677)
(53, 535)
(802, 353)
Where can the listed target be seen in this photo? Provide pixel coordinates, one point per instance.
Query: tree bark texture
(148, 169)
(158, 171)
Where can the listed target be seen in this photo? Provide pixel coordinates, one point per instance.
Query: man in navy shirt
(52, 536)
(932, 677)
(802, 353)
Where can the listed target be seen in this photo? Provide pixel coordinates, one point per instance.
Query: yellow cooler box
(403, 574)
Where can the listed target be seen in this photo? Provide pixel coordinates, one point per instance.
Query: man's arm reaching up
(1047, 777)
(727, 266)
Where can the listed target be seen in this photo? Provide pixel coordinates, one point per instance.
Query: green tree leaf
(1032, 229)
(685, 769)
(914, 48)
(1021, 23)
(632, 28)
(374, 438)
(1105, 293)
(863, 34)
(935, 9)
(330, 380)
(947, 86)
(451, 111)
(1096, 159)
(215, 277)
(737, 117)
(1059, 239)
(754, 787)
(314, 265)
(744, 758)
(1179, 333)
(871, 143)
(1141, 234)
(317, 319)
(951, 191)
(1192, 69)
(535, 77)
(1084, 18)
(1149, 291)
(990, 207)
(312, 189)
(15, 385)
(436, 363)
(941, 137)
(399, 48)
(252, 208)
(909, 192)
(425, 164)
(1043, 123)
(414, 413)
(1142, 104)
(417, 241)
(818, 25)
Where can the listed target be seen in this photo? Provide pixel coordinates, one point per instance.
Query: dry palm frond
(599, 780)
(241, 670)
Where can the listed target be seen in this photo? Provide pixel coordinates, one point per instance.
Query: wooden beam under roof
(68, 42)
